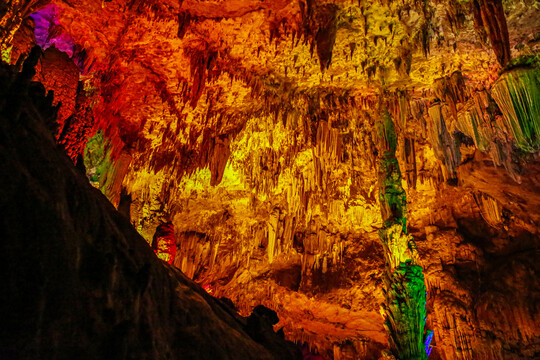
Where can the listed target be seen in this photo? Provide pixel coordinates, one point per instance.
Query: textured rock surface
(79, 281)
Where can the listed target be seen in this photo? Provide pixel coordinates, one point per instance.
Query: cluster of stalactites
(11, 19)
(444, 145)
(501, 121)
(517, 93)
(196, 251)
(490, 209)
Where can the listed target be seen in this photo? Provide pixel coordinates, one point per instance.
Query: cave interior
(270, 179)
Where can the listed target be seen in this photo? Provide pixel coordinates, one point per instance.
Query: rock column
(405, 292)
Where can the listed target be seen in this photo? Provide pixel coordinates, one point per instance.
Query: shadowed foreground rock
(79, 282)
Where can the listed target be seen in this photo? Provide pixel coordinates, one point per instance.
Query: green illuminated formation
(406, 311)
(96, 158)
(405, 292)
(392, 196)
(517, 93)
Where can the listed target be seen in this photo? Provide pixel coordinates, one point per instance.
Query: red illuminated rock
(164, 243)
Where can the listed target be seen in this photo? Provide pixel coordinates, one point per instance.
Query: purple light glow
(427, 342)
(48, 30)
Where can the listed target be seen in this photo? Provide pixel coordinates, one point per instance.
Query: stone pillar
(405, 292)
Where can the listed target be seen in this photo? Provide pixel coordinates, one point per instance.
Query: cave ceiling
(251, 126)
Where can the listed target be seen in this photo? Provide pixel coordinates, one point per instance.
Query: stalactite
(451, 90)
(445, 147)
(195, 251)
(478, 22)
(79, 126)
(202, 62)
(475, 121)
(491, 13)
(400, 109)
(517, 93)
(326, 34)
(214, 152)
(490, 209)
(409, 157)
(184, 20)
(273, 236)
(319, 29)
(113, 176)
